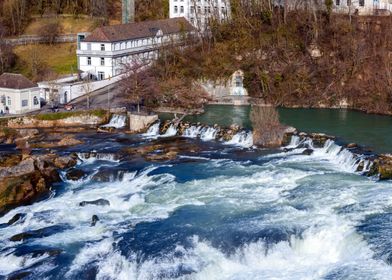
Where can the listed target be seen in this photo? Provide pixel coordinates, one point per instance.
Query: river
(218, 211)
(373, 131)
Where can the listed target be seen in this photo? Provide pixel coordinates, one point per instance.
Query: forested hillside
(15, 15)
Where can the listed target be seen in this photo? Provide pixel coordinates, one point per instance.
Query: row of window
(207, 1)
(25, 102)
(207, 9)
(123, 60)
(130, 44)
(102, 60)
(349, 2)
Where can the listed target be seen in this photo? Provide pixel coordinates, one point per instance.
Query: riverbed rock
(75, 174)
(65, 162)
(307, 152)
(77, 120)
(39, 233)
(69, 141)
(28, 132)
(25, 181)
(382, 166)
(319, 139)
(98, 202)
(351, 146)
(16, 218)
(94, 220)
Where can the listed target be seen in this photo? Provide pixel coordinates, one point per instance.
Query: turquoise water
(372, 131)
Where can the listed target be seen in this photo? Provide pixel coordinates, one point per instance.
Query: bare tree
(50, 31)
(267, 129)
(87, 88)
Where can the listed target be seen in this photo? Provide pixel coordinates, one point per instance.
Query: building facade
(104, 53)
(18, 94)
(199, 12)
(363, 7)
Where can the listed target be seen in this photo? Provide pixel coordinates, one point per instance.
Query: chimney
(128, 11)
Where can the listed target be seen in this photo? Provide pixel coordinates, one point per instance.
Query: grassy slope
(69, 25)
(61, 58)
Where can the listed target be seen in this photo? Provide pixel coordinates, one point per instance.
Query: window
(9, 101)
(25, 103)
(88, 60)
(182, 9)
(192, 8)
(102, 47)
(337, 2)
(35, 100)
(362, 3)
(238, 81)
(175, 9)
(101, 75)
(102, 61)
(89, 46)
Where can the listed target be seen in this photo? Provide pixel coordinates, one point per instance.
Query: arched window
(35, 100)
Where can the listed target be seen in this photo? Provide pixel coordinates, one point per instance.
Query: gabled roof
(123, 32)
(15, 81)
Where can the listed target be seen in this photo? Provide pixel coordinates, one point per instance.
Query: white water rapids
(205, 133)
(307, 207)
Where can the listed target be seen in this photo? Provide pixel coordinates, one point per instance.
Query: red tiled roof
(123, 32)
(15, 81)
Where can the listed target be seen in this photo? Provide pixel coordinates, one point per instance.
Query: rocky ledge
(25, 178)
(382, 167)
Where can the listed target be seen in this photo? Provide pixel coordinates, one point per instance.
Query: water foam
(242, 139)
(117, 121)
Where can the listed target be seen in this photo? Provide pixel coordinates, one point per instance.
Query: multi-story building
(363, 7)
(199, 12)
(103, 53)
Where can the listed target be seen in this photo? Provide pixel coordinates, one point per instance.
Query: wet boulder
(307, 152)
(33, 234)
(94, 220)
(65, 162)
(26, 178)
(382, 167)
(75, 174)
(98, 202)
(319, 139)
(352, 146)
(16, 218)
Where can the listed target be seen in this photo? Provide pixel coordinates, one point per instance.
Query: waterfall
(92, 156)
(171, 131)
(242, 139)
(339, 155)
(117, 121)
(208, 133)
(294, 142)
(192, 132)
(152, 130)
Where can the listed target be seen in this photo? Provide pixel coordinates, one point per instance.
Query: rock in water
(99, 202)
(308, 152)
(26, 178)
(16, 218)
(94, 220)
(75, 174)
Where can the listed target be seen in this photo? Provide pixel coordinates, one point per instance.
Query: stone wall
(140, 123)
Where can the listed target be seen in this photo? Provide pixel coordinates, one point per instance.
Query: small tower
(128, 11)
